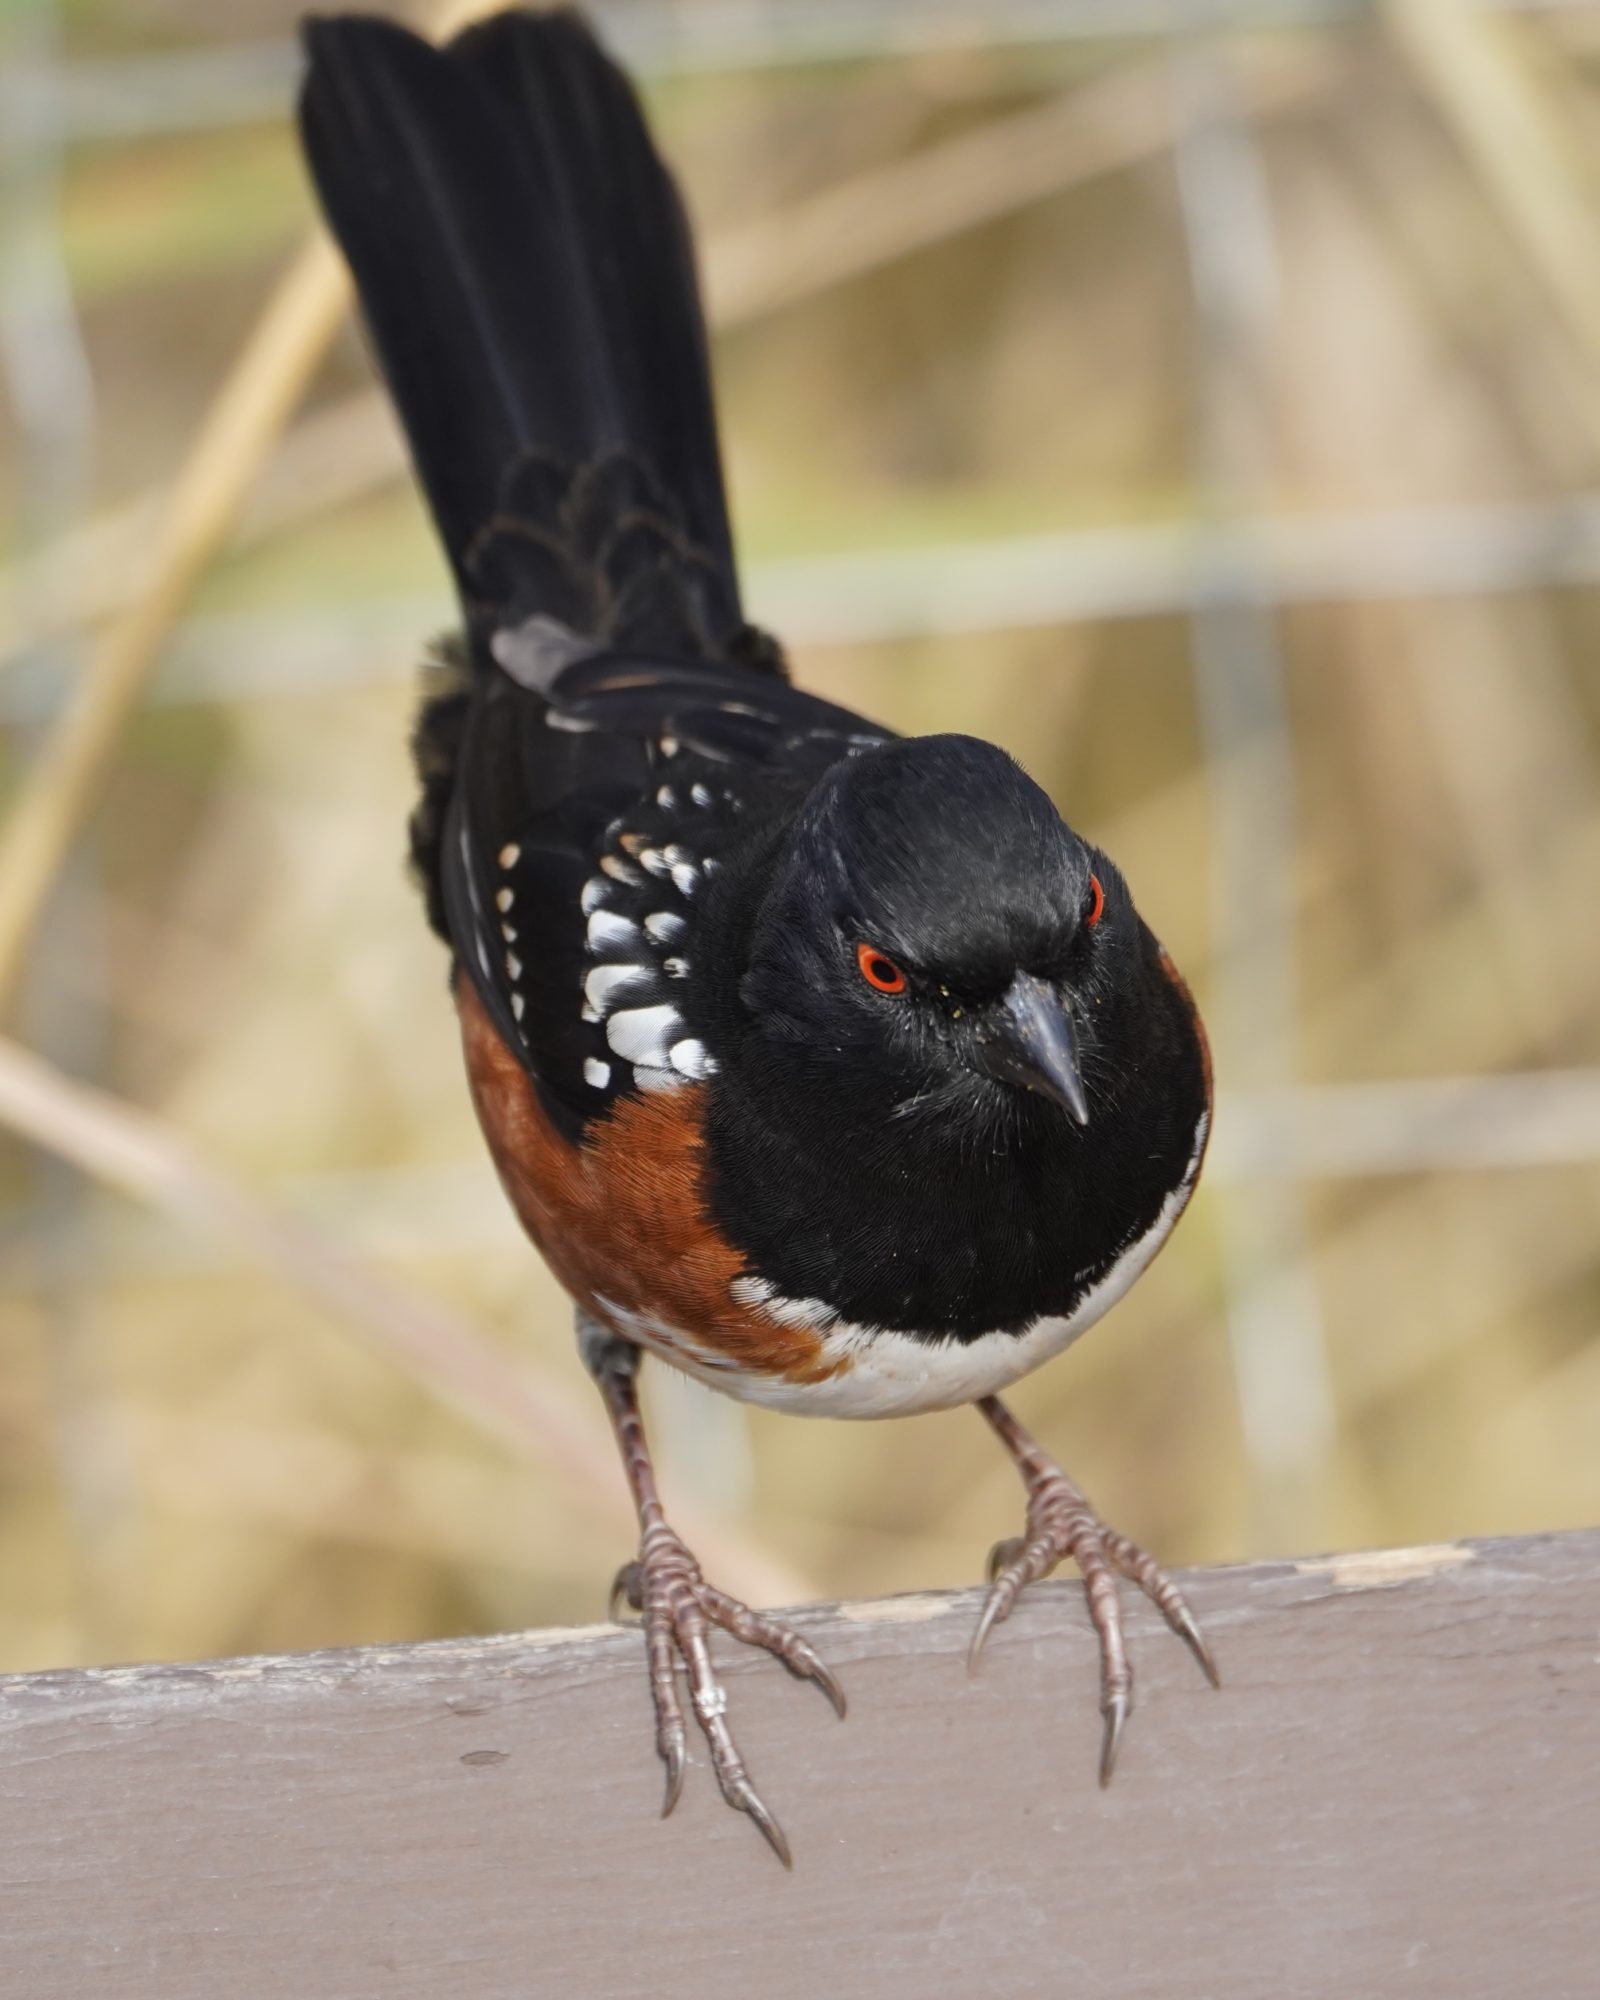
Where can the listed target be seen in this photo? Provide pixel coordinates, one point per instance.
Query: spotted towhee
(833, 1068)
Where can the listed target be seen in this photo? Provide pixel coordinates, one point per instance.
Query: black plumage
(528, 284)
(949, 1094)
(526, 274)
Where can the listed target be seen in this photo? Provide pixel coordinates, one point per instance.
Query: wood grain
(1395, 1795)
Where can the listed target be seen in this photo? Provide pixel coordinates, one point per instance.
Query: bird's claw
(675, 1756)
(627, 1589)
(1114, 1713)
(1061, 1522)
(1002, 1554)
(749, 1800)
(679, 1610)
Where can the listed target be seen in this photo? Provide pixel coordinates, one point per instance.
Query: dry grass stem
(251, 408)
(876, 218)
(1478, 66)
(132, 1151)
(256, 400)
(804, 248)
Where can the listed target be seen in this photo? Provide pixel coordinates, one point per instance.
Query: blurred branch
(255, 401)
(866, 596)
(522, 1406)
(1404, 1126)
(334, 456)
(194, 90)
(250, 409)
(1276, 1330)
(446, 1505)
(1532, 1244)
(1480, 69)
(1399, 1126)
(1450, 956)
(841, 233)
(994, 584)
(861, 225)
(876, 218)
(1515, 759)
(1410, 1125)
(45, 365)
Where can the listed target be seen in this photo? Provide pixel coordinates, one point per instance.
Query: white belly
(890, 1374)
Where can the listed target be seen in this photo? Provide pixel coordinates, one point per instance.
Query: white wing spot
(655, 862)
(667, 799)
(691, 1059)
(644, 1034)
(668, 746)
(664, 926)
(509, 933)
(675, 968)
(606, 985)
(503, 900)
(518, 1005)
(686, 878)
(513, 966)
(620, 870)
(648, 1077)
(700, 795)
(538, 649)
(596, 1072)
(595, 891)
(608, 931)
(510, 854)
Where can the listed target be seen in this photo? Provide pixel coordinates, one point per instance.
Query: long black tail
(526, 272)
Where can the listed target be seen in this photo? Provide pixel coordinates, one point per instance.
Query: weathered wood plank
(1396, 1794)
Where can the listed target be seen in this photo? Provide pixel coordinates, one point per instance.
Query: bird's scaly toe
(679, 1609)
(1061, 1522)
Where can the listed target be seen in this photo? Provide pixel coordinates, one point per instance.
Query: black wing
(526, 275)
(600, 804)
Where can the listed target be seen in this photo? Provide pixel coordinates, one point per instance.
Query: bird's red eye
(1096, 905)
(878, 971)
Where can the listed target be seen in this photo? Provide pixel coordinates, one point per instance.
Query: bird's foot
(679, 1609)
(1061, 1522)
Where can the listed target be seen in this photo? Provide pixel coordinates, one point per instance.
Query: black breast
(952, 1223)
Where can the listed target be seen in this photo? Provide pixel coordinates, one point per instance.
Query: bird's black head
(934, 916)
(957, 1077)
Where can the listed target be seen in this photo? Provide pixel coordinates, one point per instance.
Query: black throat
(973, 1208)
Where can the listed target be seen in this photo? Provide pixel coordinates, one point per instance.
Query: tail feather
(633, 241)
(526, 273)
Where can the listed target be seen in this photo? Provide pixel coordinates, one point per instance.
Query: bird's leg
(679, 1608)
(1061, 1522)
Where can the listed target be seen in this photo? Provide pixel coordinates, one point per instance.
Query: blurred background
(1202, 401)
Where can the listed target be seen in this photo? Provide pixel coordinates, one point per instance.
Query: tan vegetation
(195, 1458)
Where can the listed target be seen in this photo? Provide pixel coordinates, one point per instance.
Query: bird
(829, 1066)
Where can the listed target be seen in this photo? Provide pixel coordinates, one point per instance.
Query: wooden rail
(1397, 1794)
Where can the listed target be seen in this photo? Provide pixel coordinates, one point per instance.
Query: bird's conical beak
(1031, 1042)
